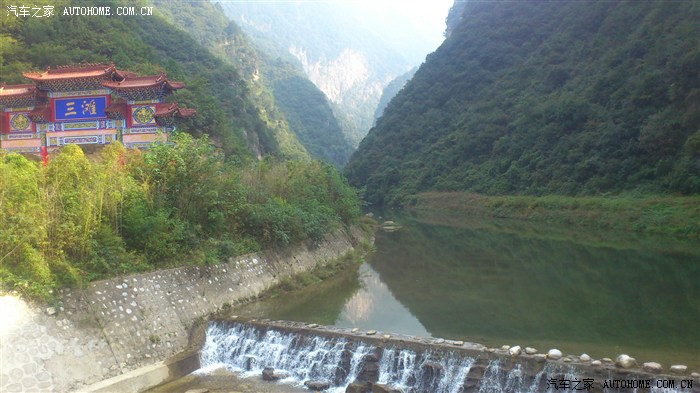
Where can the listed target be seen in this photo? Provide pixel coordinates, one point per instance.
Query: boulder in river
(268, 374)
(554, 354)
(652, 367)
(359, 387)
(317, 385)
(625, 361)
(381, 388)
(679, 369)
(515, 351)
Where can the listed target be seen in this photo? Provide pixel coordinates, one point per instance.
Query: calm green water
(499, 282)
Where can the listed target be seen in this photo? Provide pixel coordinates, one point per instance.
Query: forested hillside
(391, 90)
(570, 98)
(275, 83)
(149, 44)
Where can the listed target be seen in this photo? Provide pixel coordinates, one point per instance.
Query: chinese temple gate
(87, 104)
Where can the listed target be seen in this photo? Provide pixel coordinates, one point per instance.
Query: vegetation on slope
(339, 54)
(311, 116)
(571, 98)
(147, 45)
(75, 220)
(291, 100)
(665, 215)
(79, 218)
(391, 90)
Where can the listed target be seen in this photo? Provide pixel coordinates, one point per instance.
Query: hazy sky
(426, 15)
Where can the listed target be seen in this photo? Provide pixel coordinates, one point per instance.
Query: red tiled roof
(139, 82)
(17, 90)
(186, 112)
(71, 72)
(174, 109)
(125, 74)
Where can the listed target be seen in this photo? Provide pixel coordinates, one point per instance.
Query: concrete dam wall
(342, 360)
(119, 325)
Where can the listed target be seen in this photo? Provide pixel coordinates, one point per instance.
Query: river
(500, 282)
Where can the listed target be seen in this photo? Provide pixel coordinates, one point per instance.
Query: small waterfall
(339, 361)
(405, 370)
(396, 367)
(496, 380)
(249, 350)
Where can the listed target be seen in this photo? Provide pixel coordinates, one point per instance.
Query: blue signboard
(80, 108)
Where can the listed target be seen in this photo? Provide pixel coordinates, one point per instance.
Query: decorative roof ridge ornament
(130, 80)
(85, 70)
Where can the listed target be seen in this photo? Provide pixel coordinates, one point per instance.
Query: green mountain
(391, 90)
(330, 41)
(227, 106)
(572, 98)
(275, 83)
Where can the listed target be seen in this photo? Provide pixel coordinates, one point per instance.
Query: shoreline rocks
(652, 367)
(625, 361)
(679, 369)
(317, 385)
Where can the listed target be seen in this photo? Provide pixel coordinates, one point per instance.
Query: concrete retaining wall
(119, 325)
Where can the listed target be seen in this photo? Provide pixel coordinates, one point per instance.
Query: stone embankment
(120, 325)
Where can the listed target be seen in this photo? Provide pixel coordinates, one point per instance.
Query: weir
(341, 360)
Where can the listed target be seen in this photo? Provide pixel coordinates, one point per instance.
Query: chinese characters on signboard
(80, 108)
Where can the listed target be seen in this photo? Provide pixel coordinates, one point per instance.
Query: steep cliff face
(545, 98)
(303, 119)
(348, 81)
(347, 61)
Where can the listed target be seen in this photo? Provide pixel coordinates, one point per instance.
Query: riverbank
(122, 324)
(665, 215)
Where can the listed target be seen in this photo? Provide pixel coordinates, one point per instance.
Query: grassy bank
(655, 214)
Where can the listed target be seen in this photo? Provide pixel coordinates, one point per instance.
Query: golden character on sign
(89, 107)
(70, 108)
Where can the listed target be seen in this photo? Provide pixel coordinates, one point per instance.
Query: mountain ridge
(545, 98)
(349, 64)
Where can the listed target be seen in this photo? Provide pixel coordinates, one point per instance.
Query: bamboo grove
(80, 217)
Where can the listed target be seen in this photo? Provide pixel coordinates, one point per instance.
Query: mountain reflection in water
(374, 307)
(498, 282)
